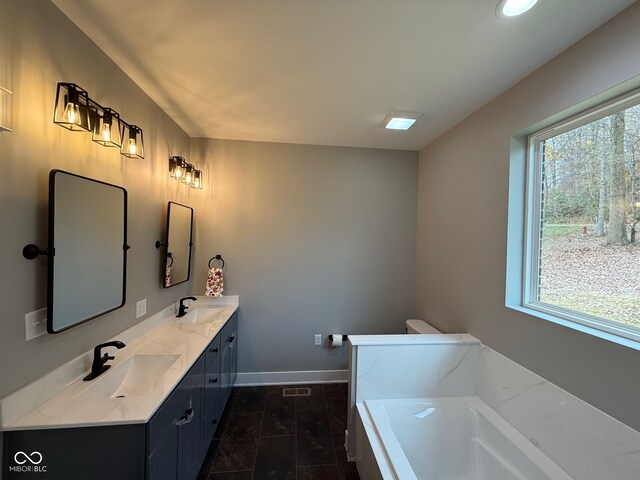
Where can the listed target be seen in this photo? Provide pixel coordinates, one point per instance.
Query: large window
(582, 255)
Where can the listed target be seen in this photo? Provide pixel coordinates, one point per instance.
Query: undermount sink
(134, 377)
(205, 314)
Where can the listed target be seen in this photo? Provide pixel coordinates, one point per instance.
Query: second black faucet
(182, 310)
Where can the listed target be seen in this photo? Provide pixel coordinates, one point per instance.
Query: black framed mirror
(178, 243)
(87, 249)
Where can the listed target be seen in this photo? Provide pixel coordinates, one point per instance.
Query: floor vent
(296, 392)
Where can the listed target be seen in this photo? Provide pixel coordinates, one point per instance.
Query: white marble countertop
(61, 399)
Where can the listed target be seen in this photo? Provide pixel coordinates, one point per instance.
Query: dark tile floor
(264, 435)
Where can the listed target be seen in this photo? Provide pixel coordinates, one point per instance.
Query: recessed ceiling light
(513, 8)
(400, 120)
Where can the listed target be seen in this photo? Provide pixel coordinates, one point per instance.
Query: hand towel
(167, 276)
(215, 283)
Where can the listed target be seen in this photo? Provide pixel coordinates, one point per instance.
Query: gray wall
(315, 239)
(462, 225)
(41, 47)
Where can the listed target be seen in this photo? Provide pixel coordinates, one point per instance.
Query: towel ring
(216, 257)
(171, 257)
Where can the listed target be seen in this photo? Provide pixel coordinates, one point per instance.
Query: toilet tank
(419, 326)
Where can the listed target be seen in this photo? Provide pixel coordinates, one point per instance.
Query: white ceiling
(327, 72)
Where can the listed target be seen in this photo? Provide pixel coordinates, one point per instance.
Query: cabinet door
(233, 347)
(189, 439)
(228, 358)
(173, 434)
(190, 423)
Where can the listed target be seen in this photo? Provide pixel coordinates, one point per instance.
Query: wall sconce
(185, 172)
(107, 128)
(6, 124)
(74, 110)
(197, 179)
(132, 144)
(72, 107)
(188, 175)
(176, 167)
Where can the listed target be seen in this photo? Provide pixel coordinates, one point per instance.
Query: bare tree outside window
(589, 256)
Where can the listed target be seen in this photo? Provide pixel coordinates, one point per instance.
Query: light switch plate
(317, 339)
(35, 324)
(141, 308)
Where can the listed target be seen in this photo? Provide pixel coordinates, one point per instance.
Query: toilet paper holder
(344, 337)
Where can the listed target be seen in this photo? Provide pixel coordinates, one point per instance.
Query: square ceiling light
(400, 120)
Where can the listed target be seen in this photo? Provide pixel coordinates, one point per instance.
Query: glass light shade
(107, 128)
(197, 180)
(187, 179)
(72, 107)
(5, 110)
(176, 167)
(132, 141)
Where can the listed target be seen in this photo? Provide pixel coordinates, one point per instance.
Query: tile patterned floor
(263, 435)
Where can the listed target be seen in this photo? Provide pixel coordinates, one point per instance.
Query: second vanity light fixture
(76, 111)
(185, 172)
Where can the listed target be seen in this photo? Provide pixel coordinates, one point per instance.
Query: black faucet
(98, 367)
(182, 311)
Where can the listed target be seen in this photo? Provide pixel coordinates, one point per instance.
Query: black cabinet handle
(213, 380)
(214, 421)
(231, 338)
(186, 418)
(213, 350)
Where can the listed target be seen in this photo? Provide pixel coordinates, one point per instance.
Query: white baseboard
(291, 378)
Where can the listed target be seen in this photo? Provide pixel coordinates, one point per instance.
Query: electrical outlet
(141, 308)
(318, 339)
(35, 324)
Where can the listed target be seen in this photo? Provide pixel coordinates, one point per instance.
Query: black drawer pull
(213, 350)
(214, 421)
(231, 338)
(213, 380)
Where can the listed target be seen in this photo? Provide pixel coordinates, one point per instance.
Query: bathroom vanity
(151, 416)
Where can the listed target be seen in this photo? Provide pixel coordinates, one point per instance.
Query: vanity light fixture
(513, 8)
(400, 120)
(184, 172)
(76, 111)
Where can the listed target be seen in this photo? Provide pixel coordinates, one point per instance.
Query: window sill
(612, 337)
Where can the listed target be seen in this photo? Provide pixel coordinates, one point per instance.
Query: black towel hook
(216, 257)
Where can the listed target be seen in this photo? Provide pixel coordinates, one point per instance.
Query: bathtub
(451, 438)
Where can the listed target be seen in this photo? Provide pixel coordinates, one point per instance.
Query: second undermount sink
(206, 314)
(134, 377)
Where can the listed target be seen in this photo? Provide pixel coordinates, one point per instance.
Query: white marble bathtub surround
(62, 399)
(404, 371)
(585, 442)
(406, 366)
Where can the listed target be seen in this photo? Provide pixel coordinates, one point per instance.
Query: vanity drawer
(212, 355)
